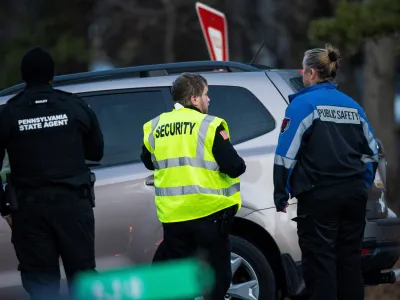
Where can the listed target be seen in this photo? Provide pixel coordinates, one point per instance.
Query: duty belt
(54, 191)
(222, 214)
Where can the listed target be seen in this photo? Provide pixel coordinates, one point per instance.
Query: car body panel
(127, 227)
(281, 227)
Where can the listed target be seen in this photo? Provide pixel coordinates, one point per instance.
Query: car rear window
(293, 78)
(246, 116)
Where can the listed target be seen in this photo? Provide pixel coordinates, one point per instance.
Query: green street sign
(180, 279)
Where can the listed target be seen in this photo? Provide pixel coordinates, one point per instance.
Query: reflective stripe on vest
(152, 140)
(195, 189)
(197, 161)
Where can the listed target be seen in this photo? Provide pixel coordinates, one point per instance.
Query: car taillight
(365, 251)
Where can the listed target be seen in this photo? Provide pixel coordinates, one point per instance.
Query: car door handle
(150, 182)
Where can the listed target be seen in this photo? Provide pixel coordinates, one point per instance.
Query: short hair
(324, 61)
(186, 86)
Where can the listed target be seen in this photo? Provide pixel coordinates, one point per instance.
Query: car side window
(246, 116)
(121, 115)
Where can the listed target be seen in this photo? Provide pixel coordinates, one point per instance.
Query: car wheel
(252, 276)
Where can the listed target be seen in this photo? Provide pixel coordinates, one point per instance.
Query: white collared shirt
(178, 106)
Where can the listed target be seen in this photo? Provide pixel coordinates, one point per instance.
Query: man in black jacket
(194, 219)
(48, 134)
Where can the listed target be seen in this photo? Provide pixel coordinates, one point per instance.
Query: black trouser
(330, 225)
(209, 236)
(45, 227)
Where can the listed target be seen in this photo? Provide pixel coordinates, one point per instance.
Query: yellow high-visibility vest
(188, 184)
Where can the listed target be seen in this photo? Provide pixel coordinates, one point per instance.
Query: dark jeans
(186, 239)
(330, 225)
(45, 227)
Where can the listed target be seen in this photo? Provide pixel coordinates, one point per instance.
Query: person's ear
(313, 73)
(193, 99)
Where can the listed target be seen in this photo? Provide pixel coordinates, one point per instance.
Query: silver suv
(266, 259)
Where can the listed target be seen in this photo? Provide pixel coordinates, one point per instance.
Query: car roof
(146, 71)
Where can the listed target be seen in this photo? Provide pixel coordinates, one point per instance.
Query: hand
(284, 210)
(282, 205)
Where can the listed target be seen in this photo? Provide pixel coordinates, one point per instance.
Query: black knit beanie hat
(37, 66)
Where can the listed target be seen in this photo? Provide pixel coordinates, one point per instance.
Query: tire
(253, 262)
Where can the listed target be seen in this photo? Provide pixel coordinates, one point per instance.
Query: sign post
(215, 30)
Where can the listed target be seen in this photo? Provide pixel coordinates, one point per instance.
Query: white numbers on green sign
(98, 289)
(136, 287)
(132, 288)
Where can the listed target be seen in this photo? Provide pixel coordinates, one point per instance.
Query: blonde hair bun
(332, 56)
(333, 53)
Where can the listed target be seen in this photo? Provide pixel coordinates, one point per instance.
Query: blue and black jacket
(325, 139)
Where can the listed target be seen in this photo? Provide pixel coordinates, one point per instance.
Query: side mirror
(381, 150)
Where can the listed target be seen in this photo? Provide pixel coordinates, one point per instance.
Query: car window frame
(167, 99)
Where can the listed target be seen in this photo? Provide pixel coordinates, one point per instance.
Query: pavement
(18, 293)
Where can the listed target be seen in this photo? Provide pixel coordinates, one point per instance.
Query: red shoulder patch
(285, 124)
(224, 134)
